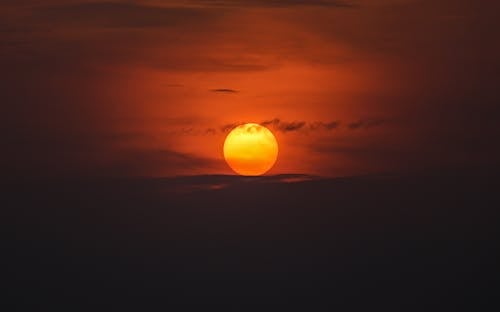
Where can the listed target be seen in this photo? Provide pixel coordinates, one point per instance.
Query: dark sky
(148, 88)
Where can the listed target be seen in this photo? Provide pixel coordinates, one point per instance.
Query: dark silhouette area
(420, 242)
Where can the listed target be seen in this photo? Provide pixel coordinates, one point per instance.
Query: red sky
(148, 88)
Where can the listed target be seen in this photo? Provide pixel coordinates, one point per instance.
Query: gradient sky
(151, 88)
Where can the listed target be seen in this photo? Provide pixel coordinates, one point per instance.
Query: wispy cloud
(365, 123)
(272, 3)
(116, 15)
(284, 126)
(141, 14)
(149, 162)
(278, 124)
(324, 125)
(228, 127)
(224, 90)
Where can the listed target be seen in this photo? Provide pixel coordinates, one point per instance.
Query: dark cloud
(109, 14)
(224, 90)
(119, 14)
(365, 124)
(275, 3)
(228, 127)
(287, 126)
(195, 183)
(149, 162)
(170, 159)
(284, 126)
(103, 153)
(104, 34)
(211, 62)
(322, 125)
(210, 131)
(292, 126)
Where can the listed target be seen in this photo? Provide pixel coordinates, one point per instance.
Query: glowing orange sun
(250, 149)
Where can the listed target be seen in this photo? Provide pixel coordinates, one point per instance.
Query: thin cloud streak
(272, 3)
(222, 90)
(365, 124)
(294, 126)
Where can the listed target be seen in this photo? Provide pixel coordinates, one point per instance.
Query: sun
(250, 149)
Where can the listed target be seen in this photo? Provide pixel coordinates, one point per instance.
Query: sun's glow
(250, 149)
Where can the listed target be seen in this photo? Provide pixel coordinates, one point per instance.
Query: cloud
(210, 131)
(284, 126)
(115, 14)
(109, 34)
(274, 3)
(322, 125)
(228, 127)
(150, 162)
(142, 14)
(365, 124)
(224, 91)
(291, 126)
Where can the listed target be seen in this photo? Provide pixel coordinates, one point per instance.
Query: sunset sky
(151, 88)
(138, 173)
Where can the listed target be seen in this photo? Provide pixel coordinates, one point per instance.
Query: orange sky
(147, 87)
